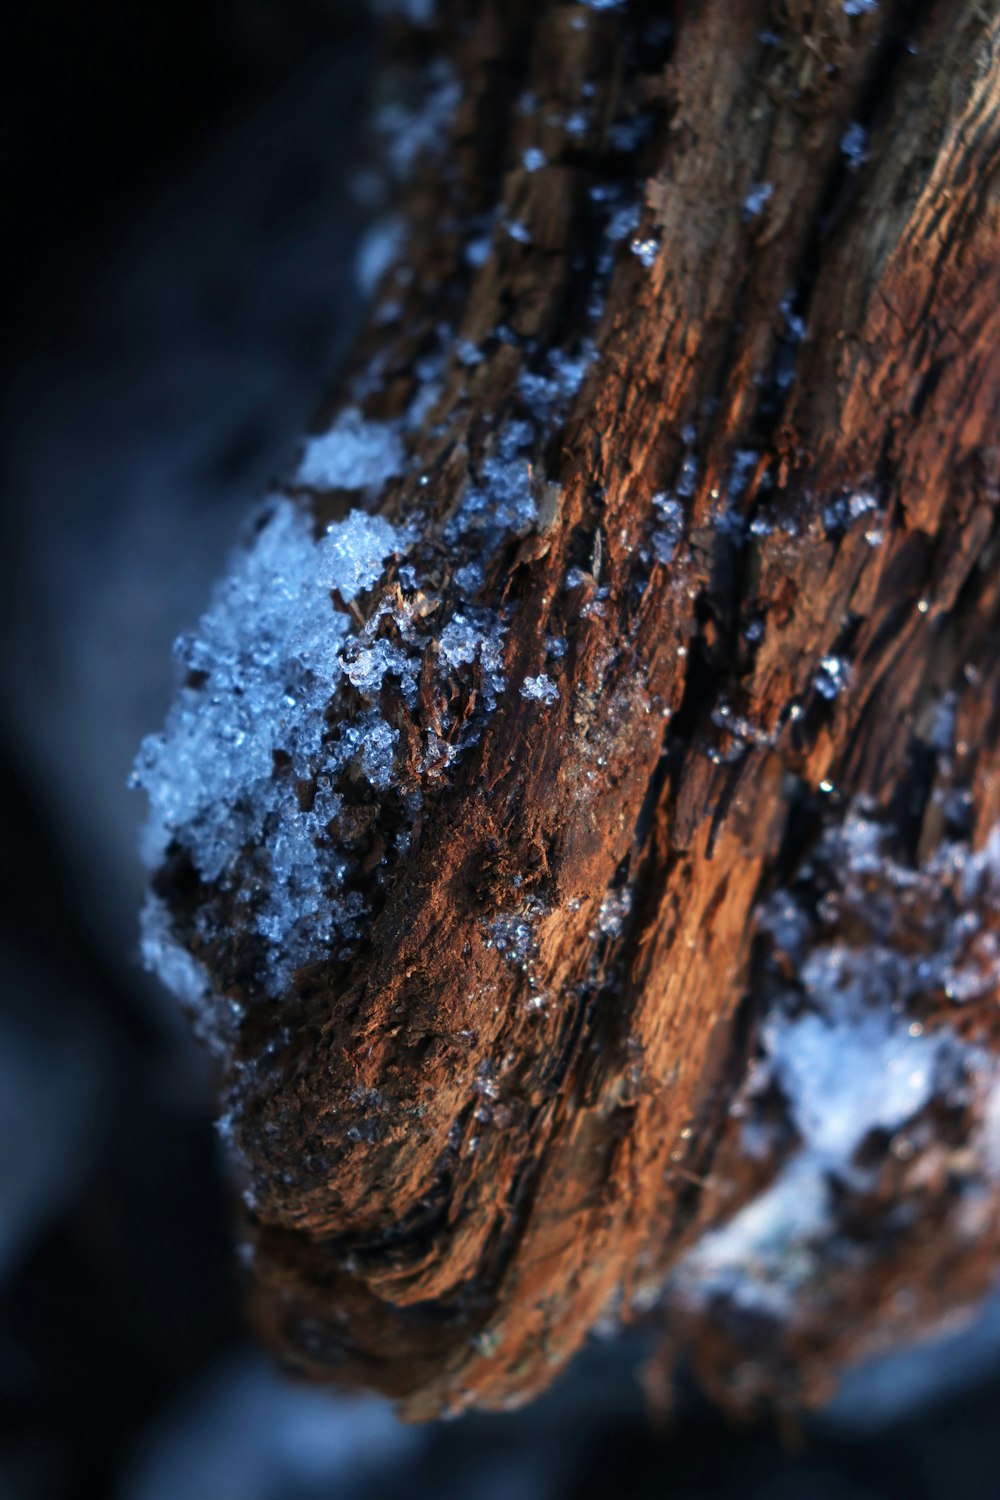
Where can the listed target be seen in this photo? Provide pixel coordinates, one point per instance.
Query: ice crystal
(540, 688)
(757, 199)
(622, 222)
(832, 677)
(645, 250)
(670, 514)
(501, 503)
(477, 251)
(514, 938)
(474, 637)
(854, 145)
(613, 911)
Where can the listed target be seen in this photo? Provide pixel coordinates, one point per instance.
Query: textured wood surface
(541, 1117)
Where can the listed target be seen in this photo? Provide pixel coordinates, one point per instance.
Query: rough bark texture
(545, 1109)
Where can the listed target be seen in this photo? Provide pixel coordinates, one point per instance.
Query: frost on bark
(584, 856)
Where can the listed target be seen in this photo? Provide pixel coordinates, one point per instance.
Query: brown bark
(546, 1116)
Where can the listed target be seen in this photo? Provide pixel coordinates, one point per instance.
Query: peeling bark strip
(587, 871)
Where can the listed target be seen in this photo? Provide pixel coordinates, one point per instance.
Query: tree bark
(765, 528)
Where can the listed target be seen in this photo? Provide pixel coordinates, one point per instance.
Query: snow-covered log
(576, 831)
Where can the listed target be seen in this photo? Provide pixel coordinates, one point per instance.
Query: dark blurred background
(188, 190)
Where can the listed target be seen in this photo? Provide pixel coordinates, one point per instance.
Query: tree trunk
(675, 986)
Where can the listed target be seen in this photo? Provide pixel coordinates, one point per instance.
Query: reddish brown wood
(454, 1260)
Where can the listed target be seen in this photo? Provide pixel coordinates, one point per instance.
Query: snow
(613, 912)
(540, 688)
(757, 199)
(469, 578)
(847, 1068)
(182, 974)
(670, 515)
(500, 503)
(763, 1255)
(645, 250)
(477, 251)
(414, 130)
(833, 676)
(266, 745)
(259, 673)
(352, 455)
(476, 635)
(366, 665)
(854, 145)
(378, 250)
(568, 370)
(513, 936)
(844, 1052)
(623, 220)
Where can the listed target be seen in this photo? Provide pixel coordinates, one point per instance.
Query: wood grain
(547, 1131)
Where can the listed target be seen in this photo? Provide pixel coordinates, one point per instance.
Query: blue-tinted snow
(541, 688)
(352, 455)
(670, 516)
(247, 725)
(854, 145)
(757, 199)
(849, 1059)
(411, 130)
(252, 769)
